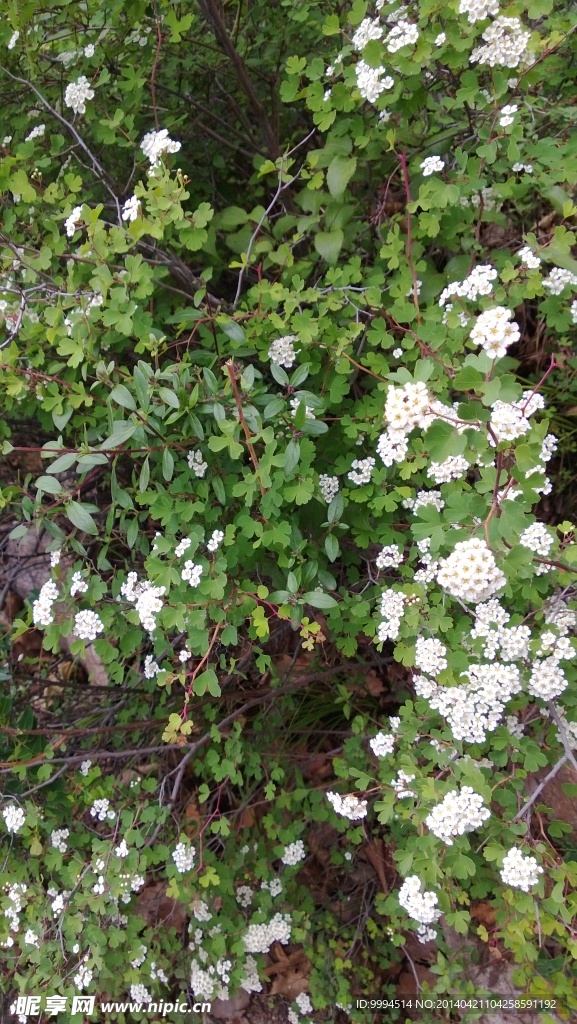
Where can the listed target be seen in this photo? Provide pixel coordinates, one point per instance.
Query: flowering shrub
(302, 397)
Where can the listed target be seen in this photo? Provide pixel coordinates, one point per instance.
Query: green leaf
(144, 475)
(340, 172)
(443, 440)
(49, 484)
(328, 244)
(336, 508)
(317, 599)
(292, 456)
(79, 516)
(233, 330)
(63, 462)
(121, 395)
(207, 681)
(331, 547)
(121, 431)
(169, 398)
(167, 464)
(468, 378)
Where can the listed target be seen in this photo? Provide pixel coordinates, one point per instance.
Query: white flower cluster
(508, 115)
(102, 810)
(191, 573)
(131, 209)
(146, 599)
(73, 220)
(214, 541)
(197, 463)
(431, 164)
(478, 9)
(494, 333)
(547, 680)
(519, 168)
(574, 311)
(36, 133)
(508, 421)
(456, 814)
(430, 655)
(527, 257)
(42, 607)
(14, 817)
(478, 282)
(58, 839)
(77, 93)
(370, 81)
(183, 857)
(348, 806)
(154, 144)
(407, 407)
(182, 546)
(519, 871)
(382, 744)
(470, 572)
(420, 906)
(361, 471)
(293, 853)
(328, 486)
(558, 279)
(537, 538)
(392, 608)
(77, 584)
(476, 708)
(389, 557)
(294, 404)
(424, 498)
(402, 34)
(244, 895)
(505, 44)
(368, 29)
(392, 447)
(87, 625)
(400, 785)
(282, 351)
(258, 938)
(453, 468)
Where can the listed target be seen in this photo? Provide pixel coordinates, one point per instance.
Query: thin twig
(230, 368)
(541, 787)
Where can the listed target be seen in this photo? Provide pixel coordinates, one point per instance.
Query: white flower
(122, 851)
(182, 546)
(244, 895)
(361, 471)
(559, 279)
(456, 814)
(574, 311)
(441, 39)
(293, 853)
(370, 81)
(14, 817)
(36, 133)
(77, 93)
(507, 113)
(13, 40)
(508, 422)
(505, 44)
(368, 29)
(154, 144)
(73, 220)
(191, 573)
(184, 655)
(102, 810)
(197, 463)
(430, 655)
(528, 258)
(282, 351)
(519, 871)
(382, 744)
(453, 468)
(131, 209)
(258, 938)
(89, 50)
(537, 538)
(58, 839)
(402, 34)
(42, 607)
(478, 9)
(494, 333)
(183, 857)
(390, 557)
(77, 585)
(470, 571)
(87, 625)
(328, 486)
(420, 906)
(215, 540)
(547, 680)
(349, 806)
(431, 164)
(294, 404)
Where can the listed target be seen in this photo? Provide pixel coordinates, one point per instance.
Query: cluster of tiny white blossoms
(42, 607)
(14, 817)
(368, 29)
(382, 744)
(348, 806)
(508, 114)
(519, 871)
(102, 810)
(537, 538)
(183, 857)
(519, 168)
(470, 571)
(431, 164)
(392, 608)
(87, 625)
(389, 557)
(527, 257)
(145, 597)
(191, 573)
(77, 93)
(197, 463)
(477, 707)
(36, 133)
(558, 279)
(453, 468)
(420, 906)
(154, 144)
(510, 420)
(574, 311)
(494, 333)
(73, 220)
(294, 404)
(131, 209)
(293, 853)
(258, 938)
(430, 655)
(215, 541)
(77, 584)
(547, 679)
(58, 839)
(456, 814)
(404, 33)
(506, 44)
(361, 471)
(478, 9)
(182, 546)
(282, 351)
(371, 82)
(400, 785)
(329, 487)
